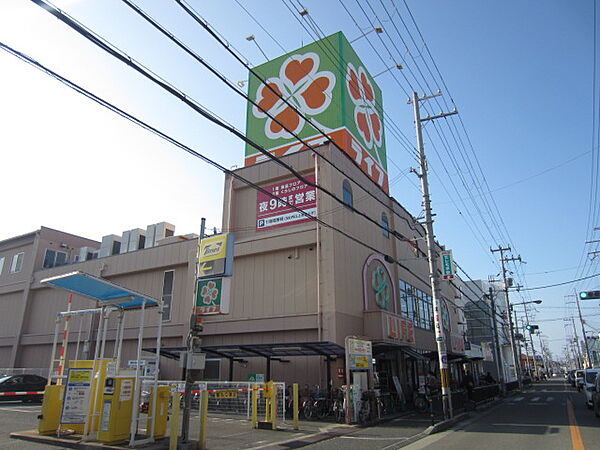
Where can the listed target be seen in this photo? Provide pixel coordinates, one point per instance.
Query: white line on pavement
(549, 399)
(371, 438)
(21, 410)
(517, 399)
(535, 399)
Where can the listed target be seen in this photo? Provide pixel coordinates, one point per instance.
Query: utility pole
(498, 354)
(193, 343)
(587, 347)
(508, 310)
(431, 253)
(577, 347)
(531, 339)
(518, 341)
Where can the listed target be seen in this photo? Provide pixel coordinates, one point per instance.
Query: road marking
(535, 399)
(372, 438)
(549, 399)
(21, 410)
(517, 399)
(576, 440)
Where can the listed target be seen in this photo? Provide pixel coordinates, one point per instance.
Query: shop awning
(414, 355)
(101, 290)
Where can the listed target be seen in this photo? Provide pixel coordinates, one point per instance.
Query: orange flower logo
(366, 116)
(303, 86)
(209, 293)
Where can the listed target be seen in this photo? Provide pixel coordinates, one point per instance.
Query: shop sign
(457, 343)
(274, 213)
(399, 329)
(216, 256)
(337, 95)
(212, 296)
(359, 353)
(448, 271)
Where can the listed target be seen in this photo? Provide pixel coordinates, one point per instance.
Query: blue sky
(520, 74)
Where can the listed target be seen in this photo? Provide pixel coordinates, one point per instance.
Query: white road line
(369, 438)
(535, 399)
(21, 410)
(516, 399)
(549, 399)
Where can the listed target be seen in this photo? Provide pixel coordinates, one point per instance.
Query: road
(538, 418)
(550, 415)
(17, 416)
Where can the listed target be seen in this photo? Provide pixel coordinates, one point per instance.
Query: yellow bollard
(203, 420)
(295, 405)
(273, 405)
(174, 434)
(255, 406)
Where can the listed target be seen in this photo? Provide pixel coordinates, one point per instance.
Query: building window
(385, 224)
(17, 263)
(53, 258)
(416, 305)
(1, 264)
(167, 293)
(347, 197)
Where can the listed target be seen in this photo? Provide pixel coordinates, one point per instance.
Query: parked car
(589, 385)
(570, 377)
(578, 380)
(596, 397)
(22, 383)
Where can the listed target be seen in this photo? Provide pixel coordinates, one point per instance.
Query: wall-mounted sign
(331, 89)
(273, 213)
(359, 353)
(212, 296)
(216, 256)
(399, 329)
(378, 286)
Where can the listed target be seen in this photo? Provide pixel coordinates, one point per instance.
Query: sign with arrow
(216, 256)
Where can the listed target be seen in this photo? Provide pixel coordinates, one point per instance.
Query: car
(578, 379)
(570, 376)
(24, 384)
(589, 385)
(596, 397)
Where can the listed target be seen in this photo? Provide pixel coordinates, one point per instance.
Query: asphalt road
(550, 415)
(17, 416)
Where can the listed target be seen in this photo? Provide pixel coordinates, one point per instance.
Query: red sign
(274, 213)
(400, 329)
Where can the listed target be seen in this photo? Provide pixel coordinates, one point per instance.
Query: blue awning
(103, 291)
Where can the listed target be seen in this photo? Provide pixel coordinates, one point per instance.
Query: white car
(589, 385)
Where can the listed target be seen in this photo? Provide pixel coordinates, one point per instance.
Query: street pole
(498, 357)
(544, 362)
(520, 354)
(510, 322)
(577, 347)
(193, 343)
(432, 256)
(587, 347)
(535, 369)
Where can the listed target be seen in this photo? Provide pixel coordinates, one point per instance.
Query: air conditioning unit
(158, 231)
(87, 253)
(133, 240)
(111, 245)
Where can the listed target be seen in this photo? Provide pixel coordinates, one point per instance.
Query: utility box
(51, 409)
(117, 407)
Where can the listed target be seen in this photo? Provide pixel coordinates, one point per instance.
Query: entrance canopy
(101, 290)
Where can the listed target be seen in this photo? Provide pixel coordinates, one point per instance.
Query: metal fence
(231, 398)
(42, 372)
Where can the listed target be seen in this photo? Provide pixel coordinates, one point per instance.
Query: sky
(515, 168)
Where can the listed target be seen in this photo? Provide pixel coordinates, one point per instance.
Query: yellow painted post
(295, 405)
(174, 434)
(203, 421)
(274, 405)
(267, 390)
(255, 406)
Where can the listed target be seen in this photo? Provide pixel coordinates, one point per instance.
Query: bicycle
(364, 412)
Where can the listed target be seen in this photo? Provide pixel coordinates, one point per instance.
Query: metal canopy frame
(271, 352)
(111, 297)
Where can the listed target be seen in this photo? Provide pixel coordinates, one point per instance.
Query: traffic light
(589, 295)
(532, 328)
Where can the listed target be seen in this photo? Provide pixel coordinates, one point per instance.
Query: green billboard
(330, 91)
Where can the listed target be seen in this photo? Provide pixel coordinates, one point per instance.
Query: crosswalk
(535, 401)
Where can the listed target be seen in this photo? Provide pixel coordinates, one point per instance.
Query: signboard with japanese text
(447, 265)
(76, 403)
(322, 87)
(272, 213)
(212, 296)
(399, 329)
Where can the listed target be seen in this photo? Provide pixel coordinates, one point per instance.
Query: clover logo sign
(209, 293)
(300, 83)
(366, 116)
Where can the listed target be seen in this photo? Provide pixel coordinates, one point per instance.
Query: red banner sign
(274, 213)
